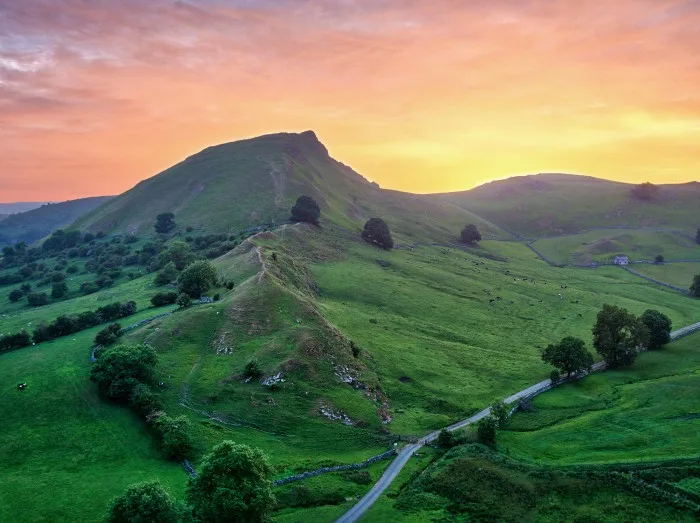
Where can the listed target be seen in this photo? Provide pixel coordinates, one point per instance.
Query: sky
(421, 96)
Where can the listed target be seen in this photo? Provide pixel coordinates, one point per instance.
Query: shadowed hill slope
(34, 224)
(243, 184)
(552, 204)
(15, 207)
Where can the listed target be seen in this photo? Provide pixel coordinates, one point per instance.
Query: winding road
(390, 474)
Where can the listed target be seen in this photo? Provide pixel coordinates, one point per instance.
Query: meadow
(646, 413)
(601, 246)
(678, 274)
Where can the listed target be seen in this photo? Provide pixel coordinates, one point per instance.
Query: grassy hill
(243, 184)
(15, 207)
(32, 225)
(552, 204)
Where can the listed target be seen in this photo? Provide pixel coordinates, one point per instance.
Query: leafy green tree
(180, 253)
(143, 401)
(164, 298)
(446, 439)
(486, 430)
(119, 369)
(697, 236)
(165, 223)
(659, 259)
(147, 502)
(167, 274)
(15, 295)
(569, 356)
(175, 436)
(59, 290)
(470, 234)
(617, 336)
(306, 210)
(232, 485)
(377, 232)
(695, 286)
(659, 327)
(197, 278)
(108, 335)
(183, 300)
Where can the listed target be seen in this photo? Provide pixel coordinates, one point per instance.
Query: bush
(59, 290)
(38, 299)
(446, 440)
(167, 274)
(217, 296)
(183, 300)
(72, 269)
(659, 326)
(175, 438)
(501, 412)
(486, 430)
(306, 210)
(89, 288)
(15, 295)
(165, 223)
(252, 369)
(144, 502)
(108, 335)
(164, 298)
(554, 376)
(470, 234)
(143, 401)
(15, 341)
(377, 232)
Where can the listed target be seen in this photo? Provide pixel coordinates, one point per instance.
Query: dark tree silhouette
(470, 234)
(697, 237)
(695, 286)
(165, 223)
(645, 191)
(617, 336)
(306, 210)
(377, 232)
(659, 326)
(569, 356)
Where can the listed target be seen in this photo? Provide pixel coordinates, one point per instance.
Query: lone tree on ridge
(306, 210)
(470, 234)
(377, 232)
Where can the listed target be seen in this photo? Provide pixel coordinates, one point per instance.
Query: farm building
(621, 260)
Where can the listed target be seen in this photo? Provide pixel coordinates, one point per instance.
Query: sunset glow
(422, 96)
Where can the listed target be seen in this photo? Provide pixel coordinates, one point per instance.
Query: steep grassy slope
(550, 204)
(601, 246)
(648, 412)
(34, 224)
(234, 186)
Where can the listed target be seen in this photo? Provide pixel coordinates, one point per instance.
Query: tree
(165, 223)
(659, 259)
(306, 210)
(569, 356)
(645, 191)
(197, 278)
(617, 335)
(108, 335)
(15, 295)
(252, 369)
(175, 436)
(167, 274)
(659, 327)
(501, 413)
(486, 430)
(183, 300)
(697, 236)
(36, 299)
(470, 234)
(119, 369)
(163, 298)
(143, 401)
(180, 253)
(232, 485)
(446, 440)
(377, 232)
(59, 290)
(147, 502)
(695, 286)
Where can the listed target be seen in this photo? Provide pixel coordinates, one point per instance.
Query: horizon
(422, 97)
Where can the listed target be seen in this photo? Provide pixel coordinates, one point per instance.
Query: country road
(390, 474)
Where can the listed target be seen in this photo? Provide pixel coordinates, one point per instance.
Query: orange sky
(424, 96)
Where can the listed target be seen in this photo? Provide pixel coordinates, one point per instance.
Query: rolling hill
(32, 225)
(553, 204)
(15, 207)
(248, 183)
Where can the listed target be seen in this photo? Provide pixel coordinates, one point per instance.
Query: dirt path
(405, 454)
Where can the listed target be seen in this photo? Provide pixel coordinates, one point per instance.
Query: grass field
(678, 274)
(602, 246)
(647, 412)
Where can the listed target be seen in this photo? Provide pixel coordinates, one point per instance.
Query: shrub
(470, 234)
(120, 369)
(89, 288)
(164, 298)
(695, 286)
(174, 436)
(197, 278)
(183, 300)
(306, 210)
(143, 502)
(59, 290)
(486, 430)
(15, 295)
(143, 401)
(167, 274)
(252, 369)
(37, 299)
(217, 296)
(446, 440)
(165, 223)
(659, 326)
(501, 413)
(554, 376)
(72, 269)
(15, 341)
(108, 335)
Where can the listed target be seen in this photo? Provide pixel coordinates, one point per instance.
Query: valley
(359, 349)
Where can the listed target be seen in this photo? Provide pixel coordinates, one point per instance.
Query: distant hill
(15, 207)
(243, 184)
(32, 225)
(552, 204)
